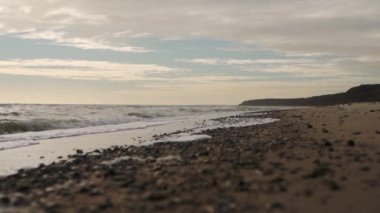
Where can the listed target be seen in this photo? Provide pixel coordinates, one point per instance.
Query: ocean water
(24, 124)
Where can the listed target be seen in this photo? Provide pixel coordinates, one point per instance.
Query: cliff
(362, 93)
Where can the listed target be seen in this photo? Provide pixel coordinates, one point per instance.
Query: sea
(25, 124)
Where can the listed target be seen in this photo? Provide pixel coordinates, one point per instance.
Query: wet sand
(50, 150)
(318, 159)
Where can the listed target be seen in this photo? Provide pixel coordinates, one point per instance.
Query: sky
(184, 52)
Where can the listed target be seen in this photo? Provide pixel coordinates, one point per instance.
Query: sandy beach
(315, 159)
(189, 106)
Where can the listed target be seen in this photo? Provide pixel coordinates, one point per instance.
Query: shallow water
(51, 150)
(23, 125)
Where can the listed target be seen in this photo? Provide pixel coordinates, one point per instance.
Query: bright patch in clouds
(77, 69)
(67, 15)
(230, 61)
(89, 43)
(297, 67)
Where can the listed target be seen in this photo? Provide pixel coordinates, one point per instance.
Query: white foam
(186, 138)
(195, 134)
(169, 158)
(28, 138)
(18, 144)
(123, 158)
(140, 159)
(236, 122)
(40, 117)
(57, 121)
(13, 159)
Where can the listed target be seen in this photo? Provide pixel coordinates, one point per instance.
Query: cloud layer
(347, 27)
(317, 40)
(84, 70)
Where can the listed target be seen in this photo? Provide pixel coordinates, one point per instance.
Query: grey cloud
(338, 27)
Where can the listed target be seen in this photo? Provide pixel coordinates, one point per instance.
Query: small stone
(20, 200)
(105, 204)
(278, 185)
(50, 189)
(155, 195)
(22, 186)
(276, 205)
(320, 170)
(357, 133)
(4, 200)
(309, 126)
(96, 192)
(365, 169)
(203, 153)
(76, 175)
(351, 143)
(79, 151)
(327, 143)
(110, 172)
(51, 206)
(127, 182)
(325, 130)
(332, 185)
(308, 192)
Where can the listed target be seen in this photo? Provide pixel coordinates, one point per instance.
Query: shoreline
(52, 150)
(312, 160)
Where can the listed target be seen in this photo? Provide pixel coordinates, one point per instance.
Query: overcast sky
(184, 52)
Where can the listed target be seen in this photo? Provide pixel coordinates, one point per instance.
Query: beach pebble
(19, 200)
(365, 169)
(76, 175)
(107, 203)
(351, 143)
(308, 193)
(22, 186)
(276, 205)
(332, 185)
(50, 206)
(327, 143)
(96, 192)
(154, 195)
(4, 200)
(278, 185)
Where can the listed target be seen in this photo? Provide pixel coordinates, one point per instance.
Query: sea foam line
(10, 141)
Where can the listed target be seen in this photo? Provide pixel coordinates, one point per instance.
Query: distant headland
(362, 93)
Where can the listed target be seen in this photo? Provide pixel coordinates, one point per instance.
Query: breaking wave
(18, 118)
(25, 125)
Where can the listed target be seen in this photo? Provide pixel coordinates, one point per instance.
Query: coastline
(47, 151)
(312, 160)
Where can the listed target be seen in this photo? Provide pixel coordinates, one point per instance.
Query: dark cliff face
(362, 93)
